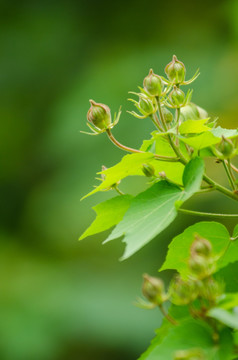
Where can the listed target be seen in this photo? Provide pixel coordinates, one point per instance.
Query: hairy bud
(153, 289)
(201, 246)
(153, 84)
(175, 71)
(226, 147)
(177, 97)
(210, 289)
(146, 105)
(168, 116)
(148, 170)
(182, 292)
(99, 115)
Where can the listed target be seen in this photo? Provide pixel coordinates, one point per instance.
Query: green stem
(200, 213)
(167, 316)
(228, 173)
(118, 190)
(231, 172)
(126, 148)
(220, 188)
(156, 121)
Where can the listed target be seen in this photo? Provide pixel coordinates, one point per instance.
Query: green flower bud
(201, 267)
(168, 116)
(153, 84)
(210, 289)
(226, 147)
(182, 292)
(177, 97)
(99, 115)
(175, 71)
(192, 112)
(146, 105)
(201, 247)
(153, 289)
(148, 170)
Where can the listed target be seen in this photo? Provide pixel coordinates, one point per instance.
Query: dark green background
(61, 299)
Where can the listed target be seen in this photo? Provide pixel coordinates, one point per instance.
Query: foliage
(174, 161)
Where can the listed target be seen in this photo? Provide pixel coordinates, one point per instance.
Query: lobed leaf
(179, 249)
(194, 126)
(208, 138)
(154, 209)
(132, 165)
(194, 336)
(108, 214)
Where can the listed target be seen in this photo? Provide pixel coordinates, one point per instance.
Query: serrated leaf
(154, 209)
(193, 336)
(179, 249)
(209, 138)
(193, 126)
(109, 213)
(229, 318)
(132, 165)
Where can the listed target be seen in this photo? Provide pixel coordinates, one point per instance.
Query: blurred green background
(61, 299)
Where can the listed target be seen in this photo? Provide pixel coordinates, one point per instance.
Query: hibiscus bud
(153, 289)
(153, 84)
(175, 71)
(148, 170)
(168, 116)
(177, 97)
(99, 115)
(201, 247)
(226, 147)
(182, 292)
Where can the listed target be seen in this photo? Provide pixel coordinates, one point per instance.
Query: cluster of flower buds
(157, 94)
(199, 284)
(201, 261)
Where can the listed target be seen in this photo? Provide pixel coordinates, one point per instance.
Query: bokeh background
(61, 299)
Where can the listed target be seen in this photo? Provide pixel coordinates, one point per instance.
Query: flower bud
(182, 292)
(99, 115)
(210, 289)
(153, 84)
(201, 267)
(148, 170)
(177, 97)
(146, 105)
(226, 147)
(201, 247)
(175, 71)
(168, 116)
(153, 289)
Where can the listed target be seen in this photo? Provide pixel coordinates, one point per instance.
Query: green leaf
(208, 138)
(154, 209)
(150, 213)
(227, 301)
(229, 318)
(179, 249)
(193, 126)
(109, 213)
(191, 335)
(132, 165)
